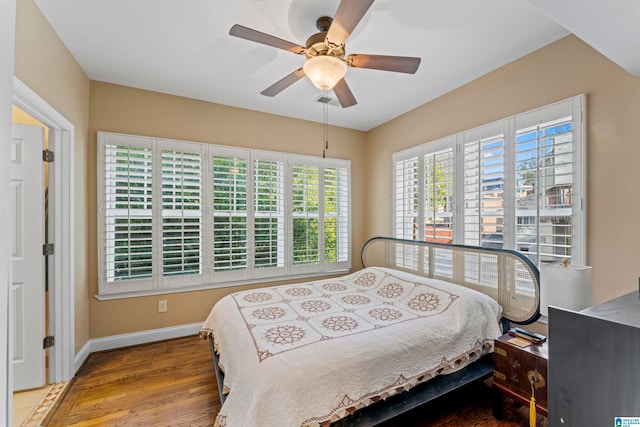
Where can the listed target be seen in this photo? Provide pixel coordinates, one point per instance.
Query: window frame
(507, 128)
(209, 277)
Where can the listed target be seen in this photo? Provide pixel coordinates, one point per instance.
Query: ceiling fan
(326, 63)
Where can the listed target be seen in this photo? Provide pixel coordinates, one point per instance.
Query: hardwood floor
(160, 384)
(172, 383)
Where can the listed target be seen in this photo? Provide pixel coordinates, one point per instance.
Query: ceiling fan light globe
(325, 71)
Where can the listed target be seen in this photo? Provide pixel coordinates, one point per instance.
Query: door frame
(61, 230)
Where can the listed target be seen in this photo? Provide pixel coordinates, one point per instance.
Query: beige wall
(121, 109)
(561, 70)
(47, 67)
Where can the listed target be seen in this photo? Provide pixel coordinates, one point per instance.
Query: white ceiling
(609, 26)
(184, 48)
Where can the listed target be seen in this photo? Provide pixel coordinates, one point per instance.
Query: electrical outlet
(162, 306)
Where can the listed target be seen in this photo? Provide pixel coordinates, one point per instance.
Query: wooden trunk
(516, 367)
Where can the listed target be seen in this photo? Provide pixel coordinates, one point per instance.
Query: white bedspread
(311, 353)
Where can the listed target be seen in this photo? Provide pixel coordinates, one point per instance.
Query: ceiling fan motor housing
(316, 45)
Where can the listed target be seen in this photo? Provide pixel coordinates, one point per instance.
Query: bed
(415, 323)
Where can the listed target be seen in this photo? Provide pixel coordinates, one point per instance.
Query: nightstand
(514, 369)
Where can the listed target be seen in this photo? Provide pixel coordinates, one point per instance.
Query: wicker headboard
(507, 276)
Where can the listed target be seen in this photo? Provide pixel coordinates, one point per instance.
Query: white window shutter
(230, 202)
(484, 174)
(182, 205)
(305, 191)
(544, 190)
(336, 216)
(439, 195)
(407, 198)
(127, 216)
(269, 221)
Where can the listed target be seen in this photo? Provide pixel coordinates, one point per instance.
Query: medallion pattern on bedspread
(287, 317)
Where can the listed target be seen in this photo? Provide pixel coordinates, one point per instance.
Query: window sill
(152, 292)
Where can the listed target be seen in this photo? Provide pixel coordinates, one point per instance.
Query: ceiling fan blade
(344, 94)
(348, 15)
(283, 83)
(400, 64)
(258, 37)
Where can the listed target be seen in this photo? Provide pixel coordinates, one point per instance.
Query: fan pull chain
(325, 127)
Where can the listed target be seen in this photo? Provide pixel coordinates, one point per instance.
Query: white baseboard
(135, 338)
(81, 356)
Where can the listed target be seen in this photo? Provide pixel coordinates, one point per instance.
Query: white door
(27, 291)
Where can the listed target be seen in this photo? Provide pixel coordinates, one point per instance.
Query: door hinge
(47, 249)
(47, 342)
(47, 156)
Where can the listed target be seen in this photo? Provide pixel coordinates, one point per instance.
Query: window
(336, 213)
(181, 239)
(438, 196)
(127, 215)
(516, 184)
(269, 218)
(176, 215)
(484, 180)
(306, 213)
(230, 220)
(321, 213)
(407, 195)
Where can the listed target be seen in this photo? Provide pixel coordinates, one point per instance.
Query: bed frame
(507, 276)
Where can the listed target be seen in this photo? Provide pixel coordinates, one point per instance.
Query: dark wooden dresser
(594, 364)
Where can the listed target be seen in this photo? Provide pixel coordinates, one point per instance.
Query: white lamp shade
(566, 287)
(324, 71)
